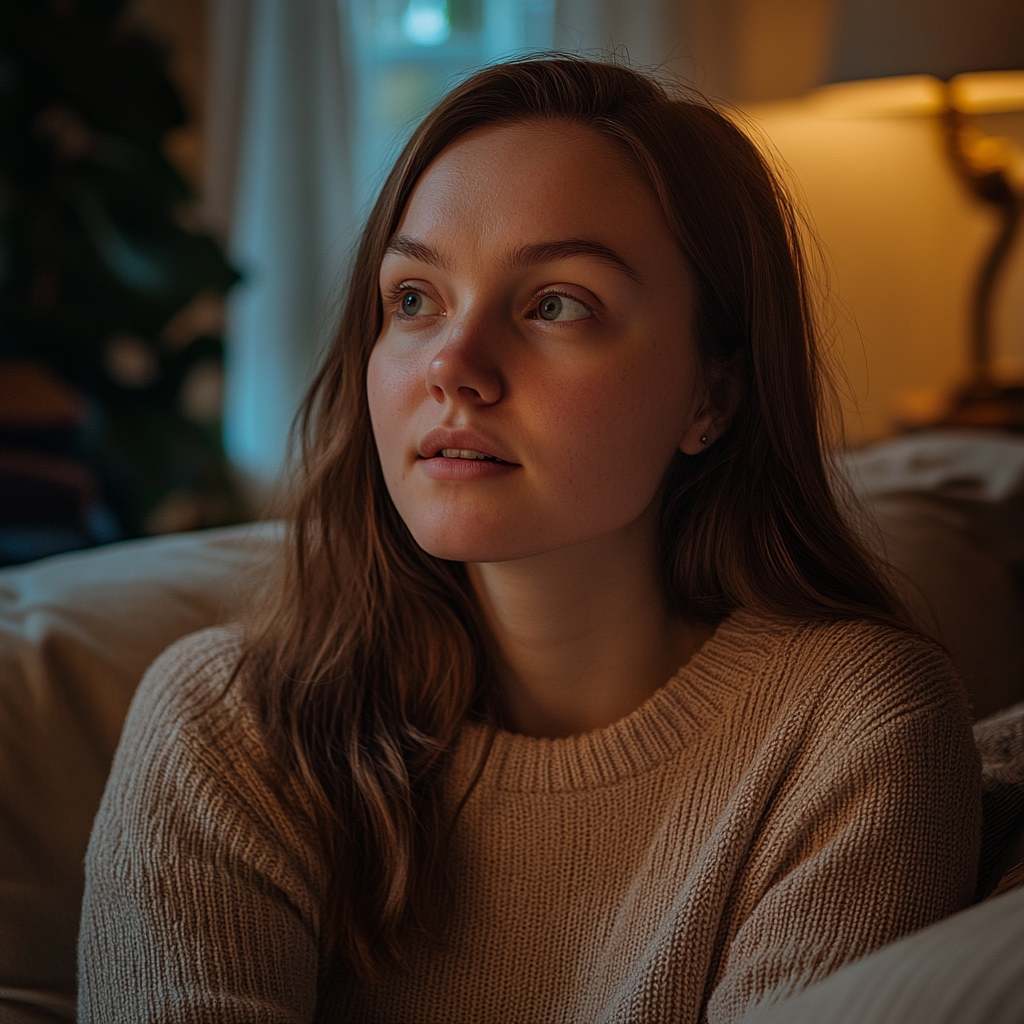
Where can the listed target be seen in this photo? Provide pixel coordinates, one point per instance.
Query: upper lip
(445, 437)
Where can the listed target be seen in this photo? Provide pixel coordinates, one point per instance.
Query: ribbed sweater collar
(656, 731)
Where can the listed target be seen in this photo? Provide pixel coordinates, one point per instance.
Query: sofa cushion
(946, 510)
(1000, 740)
(967, 969)
(77, 632)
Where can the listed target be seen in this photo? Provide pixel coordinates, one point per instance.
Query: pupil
(411, 303)
(550, 307)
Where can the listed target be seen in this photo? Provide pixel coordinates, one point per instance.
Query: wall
(902, 241)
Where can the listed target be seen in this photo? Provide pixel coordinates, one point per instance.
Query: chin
(493, 533)
(482, 542)
(472, 537)
(460, 533)
(460, 548)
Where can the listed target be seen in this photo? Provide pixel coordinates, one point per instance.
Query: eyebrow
(568, 248)
(405, 245)
(525, 256)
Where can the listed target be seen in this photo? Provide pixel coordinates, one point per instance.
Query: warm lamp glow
(981, 92)
(988, 92)
(906, 96)
(902, 236)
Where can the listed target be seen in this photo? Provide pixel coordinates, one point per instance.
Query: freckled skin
(590, 406)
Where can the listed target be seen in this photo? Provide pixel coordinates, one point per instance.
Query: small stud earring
(703, 438)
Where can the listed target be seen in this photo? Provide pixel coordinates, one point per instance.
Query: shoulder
(194, 665)
(204, 878)
(865, 786)
(189, 687)
(191, 728)
(868, 668)
(193, 751)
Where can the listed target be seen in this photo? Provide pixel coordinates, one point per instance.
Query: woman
(567, 440)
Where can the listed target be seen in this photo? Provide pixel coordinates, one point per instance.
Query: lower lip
(465, 469)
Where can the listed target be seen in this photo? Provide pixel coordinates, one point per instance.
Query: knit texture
(798, 795)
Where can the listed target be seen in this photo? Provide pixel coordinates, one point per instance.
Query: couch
(78, 631)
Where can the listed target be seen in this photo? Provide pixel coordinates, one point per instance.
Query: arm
(201, 892)
(873, 833)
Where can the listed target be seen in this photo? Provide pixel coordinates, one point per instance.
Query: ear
(714, 413)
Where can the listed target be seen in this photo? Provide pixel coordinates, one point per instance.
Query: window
(408, 53)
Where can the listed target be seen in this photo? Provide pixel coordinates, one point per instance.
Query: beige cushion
(76, 634)
(946, 509)
(1000, 740)
(959, 591)
(968, 969)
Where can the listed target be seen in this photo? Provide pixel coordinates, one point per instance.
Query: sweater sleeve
(201, 896)
(873, 831)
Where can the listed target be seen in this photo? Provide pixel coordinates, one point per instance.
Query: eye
(562, 307)
(413, 303)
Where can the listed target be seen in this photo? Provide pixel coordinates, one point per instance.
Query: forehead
(510, 182)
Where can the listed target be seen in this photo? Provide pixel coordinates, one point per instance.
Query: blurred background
(182, 183)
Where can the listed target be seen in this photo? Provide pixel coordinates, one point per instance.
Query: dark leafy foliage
(102, 257)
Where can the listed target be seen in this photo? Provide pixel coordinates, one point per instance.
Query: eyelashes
(410, 303)
(551, 305)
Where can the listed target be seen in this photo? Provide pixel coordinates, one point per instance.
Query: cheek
(625, 425)
(376, 377)
(387, 394)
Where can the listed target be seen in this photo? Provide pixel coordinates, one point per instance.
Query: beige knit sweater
(797, 795)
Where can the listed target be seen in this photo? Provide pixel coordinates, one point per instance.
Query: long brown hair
(373, 653)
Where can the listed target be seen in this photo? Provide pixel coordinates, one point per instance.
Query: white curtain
(289, 213)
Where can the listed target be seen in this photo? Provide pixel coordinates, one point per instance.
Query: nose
(463, 369)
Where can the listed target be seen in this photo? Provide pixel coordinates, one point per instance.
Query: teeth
(465, 453)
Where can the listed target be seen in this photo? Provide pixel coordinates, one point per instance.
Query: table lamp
(974, 51)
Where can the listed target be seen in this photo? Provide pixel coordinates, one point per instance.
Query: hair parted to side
(373, 653)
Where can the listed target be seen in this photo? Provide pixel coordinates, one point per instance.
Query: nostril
(463, 372)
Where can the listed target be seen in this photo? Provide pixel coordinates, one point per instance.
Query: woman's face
(535, 371)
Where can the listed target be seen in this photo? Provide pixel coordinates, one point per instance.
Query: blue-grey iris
(550, 307)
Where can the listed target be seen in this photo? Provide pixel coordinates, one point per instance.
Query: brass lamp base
(984, 165)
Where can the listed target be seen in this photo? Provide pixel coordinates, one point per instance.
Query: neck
(583, 632)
